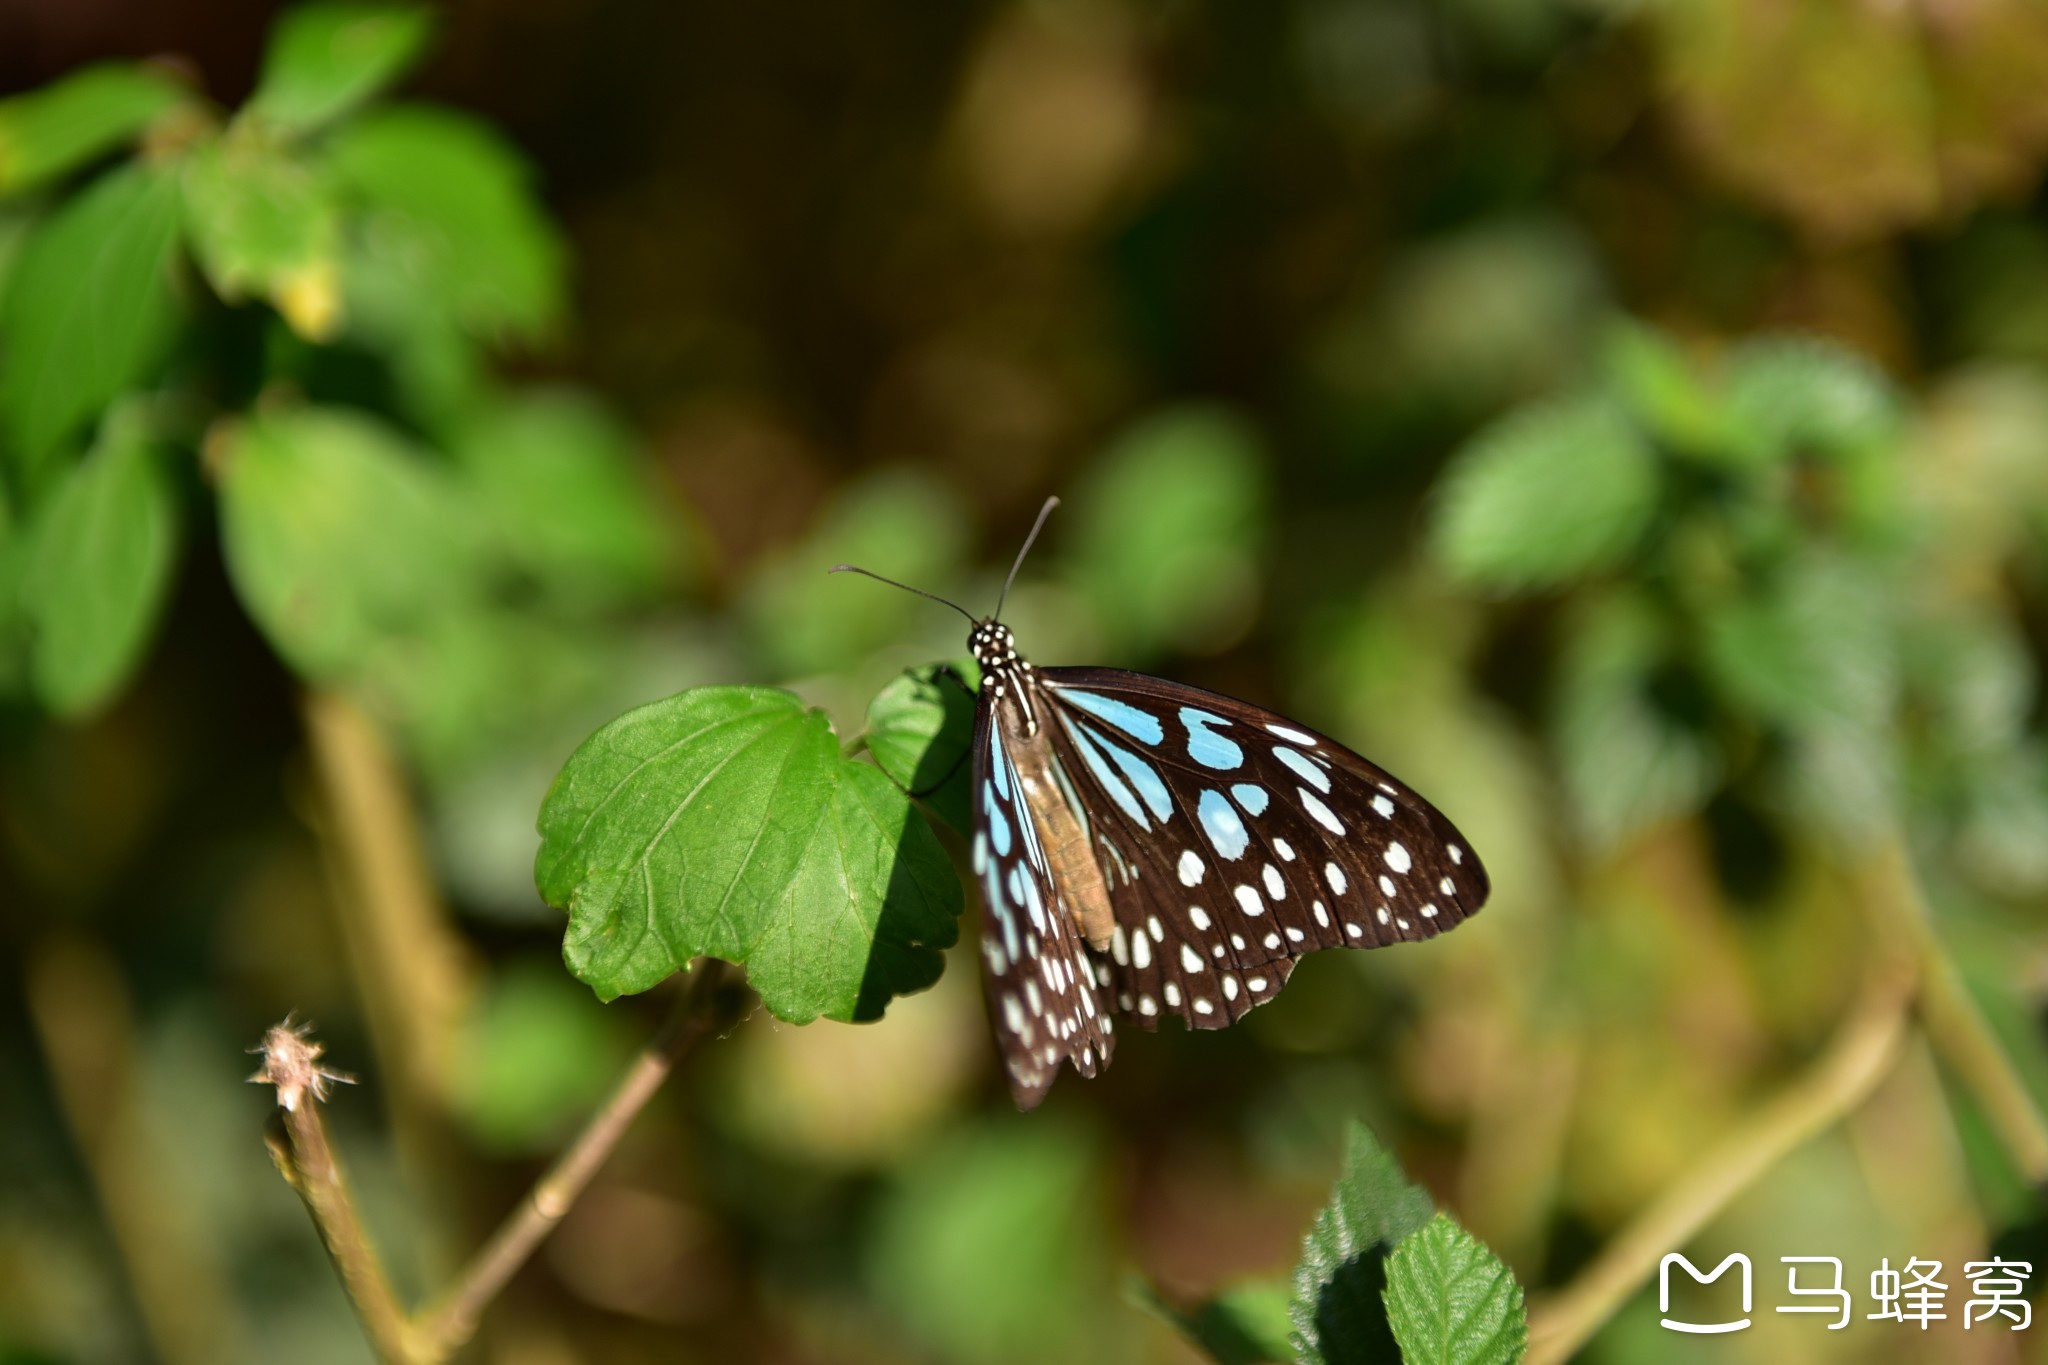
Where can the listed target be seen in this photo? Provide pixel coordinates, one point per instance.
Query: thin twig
(83, 1016)
(1957, 1028)
(450, 1323)
(298, 1144)
(1856, 1059)
(409, 962)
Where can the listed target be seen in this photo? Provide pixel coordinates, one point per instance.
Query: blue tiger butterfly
(1146, 848)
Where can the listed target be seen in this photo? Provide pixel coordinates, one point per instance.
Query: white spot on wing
(1397, 856)
(1191, 867)
(1383, 806)
(1284, 849)
(1338, 881)
(1386, 885)
(1291, 735)
(1172, 994)
(1248, 900)
(1189, 958)
(1204, 1007)
(1319, 811)
(1141, 952)
(1275, 886)
(1199, 916)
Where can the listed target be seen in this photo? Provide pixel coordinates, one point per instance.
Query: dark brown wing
(1235, 840)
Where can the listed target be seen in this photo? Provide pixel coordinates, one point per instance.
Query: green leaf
(569, 497)
(991, 1248)
(87, 114)
(1788, 394)
(919, 730)
(1451, 1302)
(1547, 496)
(338, 533)
(726, 821)
(1656, 381)
(263, 222)
(1337, 1311)
(1244, 1325)
(99, 564)
(326, 59)
(450, 210)
(89, 307)
(1166, 531)
(1631, 724)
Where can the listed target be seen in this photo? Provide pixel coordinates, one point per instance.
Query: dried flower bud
(291, 1062)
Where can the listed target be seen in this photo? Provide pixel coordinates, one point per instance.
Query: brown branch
(1955, 1025)
(409, 962)
(1857, 1058)
(298, 1144)
(454, 1319)
(83, 1016)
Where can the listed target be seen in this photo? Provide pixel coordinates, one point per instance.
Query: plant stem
(1857, 1058)
(1956, 1027)
(298, 1144)
(83, 1016)
(409, 962)
(453, 1321)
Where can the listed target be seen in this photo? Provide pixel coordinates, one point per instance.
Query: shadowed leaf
(1337, 1311)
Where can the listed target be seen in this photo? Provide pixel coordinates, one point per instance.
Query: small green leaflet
(919, 727)
(1547, 496)
(726, 821)
(100, 559)
(89, 306)
(451, 204)
(89, 113)
(264, 222)
(324, 60)
(339, 533)
(1338, 1315)
(1451, 1302)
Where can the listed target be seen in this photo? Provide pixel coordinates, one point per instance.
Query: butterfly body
(1146, 848)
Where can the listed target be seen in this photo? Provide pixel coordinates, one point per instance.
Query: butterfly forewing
(1233, 841)
(1042, 992)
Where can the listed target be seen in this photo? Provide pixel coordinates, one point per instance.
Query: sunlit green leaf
(726, 821)
(264, 222)
(1166, 530)
(1547, 496)
(1631, 724)
(1337, 1311)
(919, 729)
(1451, 1302)
(99, 564)
(450, 210)
(992, 1248)
(1660, 388)
(338, 533)
(535, 1056)
(89, 308)
(88, 113)
(325, 59)
(1789, 394)
(1244, 1325)
(569, 498)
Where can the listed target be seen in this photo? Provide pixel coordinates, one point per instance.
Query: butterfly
(1148, 849)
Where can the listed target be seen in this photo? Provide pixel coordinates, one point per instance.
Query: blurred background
(1626, 420)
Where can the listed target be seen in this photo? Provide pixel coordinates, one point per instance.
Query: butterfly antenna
(855, 568)
(1036, 527)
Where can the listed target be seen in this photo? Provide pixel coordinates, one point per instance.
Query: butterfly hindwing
(1041, 989)
(1233, 841)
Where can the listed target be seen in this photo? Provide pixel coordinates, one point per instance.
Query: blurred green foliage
(1623, 422)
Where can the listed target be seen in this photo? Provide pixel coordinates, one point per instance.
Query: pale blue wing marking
(1140, 726)
(1142, 775)
(1220, 823)
(1307, 771)
(1205, 746)
(1253, 799)
(1111, 783)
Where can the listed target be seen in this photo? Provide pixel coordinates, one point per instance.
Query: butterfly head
(994, 647)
